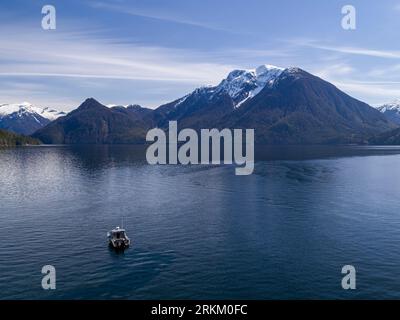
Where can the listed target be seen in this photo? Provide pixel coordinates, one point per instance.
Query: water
(200, 232)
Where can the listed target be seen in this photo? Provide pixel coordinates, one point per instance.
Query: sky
(152, 52)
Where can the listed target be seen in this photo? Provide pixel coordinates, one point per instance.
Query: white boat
(118, 239)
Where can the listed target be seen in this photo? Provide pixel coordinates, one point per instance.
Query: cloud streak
(386, 54)
(373, 90)
(84, 57)
(163, 17)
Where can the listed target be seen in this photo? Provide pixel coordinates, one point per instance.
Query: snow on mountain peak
(242, 85)
(28, 108)
(26, 104)
(267, 68)
(392, 106)
(6, 109)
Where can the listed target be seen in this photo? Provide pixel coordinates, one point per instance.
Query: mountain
(284, 106)
(94, 123)
(242, 85)
(9, 139)
(25, 118)
(391, 111)
(300, 108)
(204, 106)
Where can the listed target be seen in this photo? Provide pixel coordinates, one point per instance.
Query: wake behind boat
(118, 239)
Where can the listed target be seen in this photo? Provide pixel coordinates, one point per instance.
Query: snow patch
(26, 108)
(242, 85)
(392, 106)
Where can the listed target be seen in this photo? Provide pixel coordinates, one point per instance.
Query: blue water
(200, 232)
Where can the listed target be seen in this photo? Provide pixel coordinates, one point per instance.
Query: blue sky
(153, 51)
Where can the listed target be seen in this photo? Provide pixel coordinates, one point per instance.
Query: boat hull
(119, 244)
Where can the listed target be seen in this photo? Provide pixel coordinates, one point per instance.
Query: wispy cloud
(361, 51)
(387, 72)
(387, 54)
(13, 90)
(380, 92)
(334, 70)
(127, 8)
(61, 55)
(127, 72)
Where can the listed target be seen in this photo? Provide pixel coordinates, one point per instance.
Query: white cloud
(26, 53)
(376, 93)
(332, 71)
(311, 43)
(361, 51)
(162, 16)
(81, 56)
(387, 72)
(74, 58)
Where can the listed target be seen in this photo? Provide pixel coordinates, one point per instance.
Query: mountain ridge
(391, 111)
(94, 123)
(25, 118)
(284, 106)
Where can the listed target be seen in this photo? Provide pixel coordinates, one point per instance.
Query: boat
(118, 239)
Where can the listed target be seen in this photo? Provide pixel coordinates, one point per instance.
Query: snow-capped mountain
(25, 118)
(392, 106)
(283, 106)
(242, 85)
(391, 111)
(26, 107)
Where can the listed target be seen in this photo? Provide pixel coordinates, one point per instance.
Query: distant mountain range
(391, 111)
(392, 137)
(95, 123)
(284, 106)
(24, 118)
